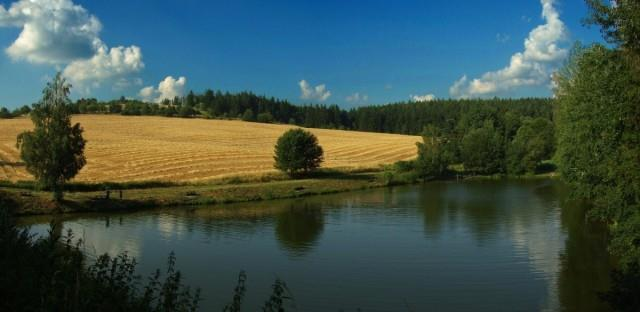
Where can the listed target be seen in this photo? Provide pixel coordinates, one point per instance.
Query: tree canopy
(54, 150)
(598, 130)
(297, 152)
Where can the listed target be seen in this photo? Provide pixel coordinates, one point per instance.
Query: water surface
(443, 246)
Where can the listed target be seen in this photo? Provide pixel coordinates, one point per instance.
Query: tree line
(403, 117)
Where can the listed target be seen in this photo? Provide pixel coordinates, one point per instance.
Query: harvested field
(123, 148)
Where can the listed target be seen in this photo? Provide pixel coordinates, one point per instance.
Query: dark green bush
(298, 152)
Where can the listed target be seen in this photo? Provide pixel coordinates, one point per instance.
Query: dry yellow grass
(122, 149)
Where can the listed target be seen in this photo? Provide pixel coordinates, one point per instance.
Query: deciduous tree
(54, 150)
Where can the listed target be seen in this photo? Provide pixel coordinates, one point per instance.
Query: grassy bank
(93, 197)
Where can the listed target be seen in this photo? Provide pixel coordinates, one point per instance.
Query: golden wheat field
(122, 148)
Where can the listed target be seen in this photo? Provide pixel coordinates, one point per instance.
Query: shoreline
(153, 194)
(142, 196)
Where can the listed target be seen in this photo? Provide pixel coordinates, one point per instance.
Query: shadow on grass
(337, 174)
(11, 163)
(91, 187)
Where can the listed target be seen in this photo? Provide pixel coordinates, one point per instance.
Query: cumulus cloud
(357, 98)
(59, 32)
(533, 67)
(168, 88)
(422, 98)
(53, 31)
(319, 92)
(105, 65)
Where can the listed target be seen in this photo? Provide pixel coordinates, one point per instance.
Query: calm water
(447, 246)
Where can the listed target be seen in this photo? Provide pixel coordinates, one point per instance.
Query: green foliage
(186, 111)
(54, 150)
(279, 297)
(598, 122)
(5, 114)
(24, 110)
(620, 23)
(248, 115)
(298, 152)
(265, 117)
(404, 166)
(435, 153)
(599, 131)
(482, 150)
(623, 295)
(450, 116)
(238, 294)
(58, 277)
(533, 143)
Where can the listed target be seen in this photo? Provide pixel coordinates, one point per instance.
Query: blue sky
(345, 52)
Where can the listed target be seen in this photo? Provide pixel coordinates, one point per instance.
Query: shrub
(298, 152)
(533, 143)
(435, 154)
(248, 115)
(483, 151)
(265, 117)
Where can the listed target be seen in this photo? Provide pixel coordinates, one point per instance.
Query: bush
(248, 115)
(265, 117)
(404, 166)
(483, 151)
(533, 143)
(4, 113)
(298, 152)
(435, 154)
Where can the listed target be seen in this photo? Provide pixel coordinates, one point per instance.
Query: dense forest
(403, 117)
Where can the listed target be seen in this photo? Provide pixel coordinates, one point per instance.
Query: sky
(344, 52)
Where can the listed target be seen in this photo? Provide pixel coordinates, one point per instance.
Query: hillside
(122, 148)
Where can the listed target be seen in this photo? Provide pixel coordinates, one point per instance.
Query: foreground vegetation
(60, 276)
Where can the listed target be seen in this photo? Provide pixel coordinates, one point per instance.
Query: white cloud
(357, 98)
(105, 65)
(168, 88)
(124, 83)
(53, 31)
(59, 32)
(422, 98)
(147, 92)
(542, 55)
(318, 92)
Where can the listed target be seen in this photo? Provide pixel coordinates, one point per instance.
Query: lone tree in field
(298, 152)
(54, 150)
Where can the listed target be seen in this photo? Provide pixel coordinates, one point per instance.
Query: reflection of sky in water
(483, 246)
(103, 236)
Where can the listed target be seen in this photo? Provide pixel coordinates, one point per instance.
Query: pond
(443, 246)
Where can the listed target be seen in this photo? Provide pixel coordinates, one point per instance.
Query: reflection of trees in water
(486, 207)
(299, 227)
(585, 262)
(433, 203)
(527, 210)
